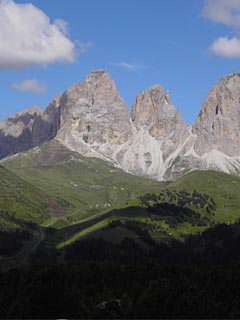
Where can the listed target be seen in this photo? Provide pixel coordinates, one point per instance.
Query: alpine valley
(136, 203)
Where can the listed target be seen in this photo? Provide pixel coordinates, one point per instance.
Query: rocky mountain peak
(97, 75)
(28, 129)
(154, 111)
(93, 112)
(156, 89)
(34, 110)
(15, 124)
(218, 123)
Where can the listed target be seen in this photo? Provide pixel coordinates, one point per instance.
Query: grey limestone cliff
(95, 110)
(218, 124)
(28, 129)
(154, 111)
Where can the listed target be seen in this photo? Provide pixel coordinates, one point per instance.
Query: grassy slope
(81, 186)
(86, 187)
(222, 187)
(19, 200)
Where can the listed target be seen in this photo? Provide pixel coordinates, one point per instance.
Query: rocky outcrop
(28, 129)
(47, 125)
(15, 132)
(95, 110)
(94, 118)
(218, 124)
(154, 111)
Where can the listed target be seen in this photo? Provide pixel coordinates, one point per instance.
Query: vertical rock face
(147, 107)
(46, 127)
(94, 113)
(29, 129)
(15, 132)
(218, 124)
(154, 111)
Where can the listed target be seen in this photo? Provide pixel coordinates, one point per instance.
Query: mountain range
(78, 206)
(151, 140)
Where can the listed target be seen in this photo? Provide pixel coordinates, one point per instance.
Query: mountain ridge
(151, 140)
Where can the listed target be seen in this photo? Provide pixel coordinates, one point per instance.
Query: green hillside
(80, 186)
(189, 205)
(19, 201)
(86, 195)
(223, 188)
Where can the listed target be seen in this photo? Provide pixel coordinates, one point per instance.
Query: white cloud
(28, 38)
(226, 12)
(32, 85)
(132, 67)
(226, 48)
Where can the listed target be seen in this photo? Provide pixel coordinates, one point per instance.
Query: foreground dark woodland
(169, 253)
(92, 278)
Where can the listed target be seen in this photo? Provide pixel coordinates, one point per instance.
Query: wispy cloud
(226, 12)
(29, 85)
(131, 67)
(28, 38)
(63, 26)
(83, 47)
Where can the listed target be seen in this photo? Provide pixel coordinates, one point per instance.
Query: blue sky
(185, 45)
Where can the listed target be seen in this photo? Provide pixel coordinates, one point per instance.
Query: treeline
(199, 278)
(174, 215)
(182, 198)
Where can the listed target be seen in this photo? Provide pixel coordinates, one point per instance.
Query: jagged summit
(31, 111)
(152, 139)
(16, 123)
(28, 129)
(235, 75)
(93, 112)
(156, 87)
(154, 110)
(157, 91)
(97, 75)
